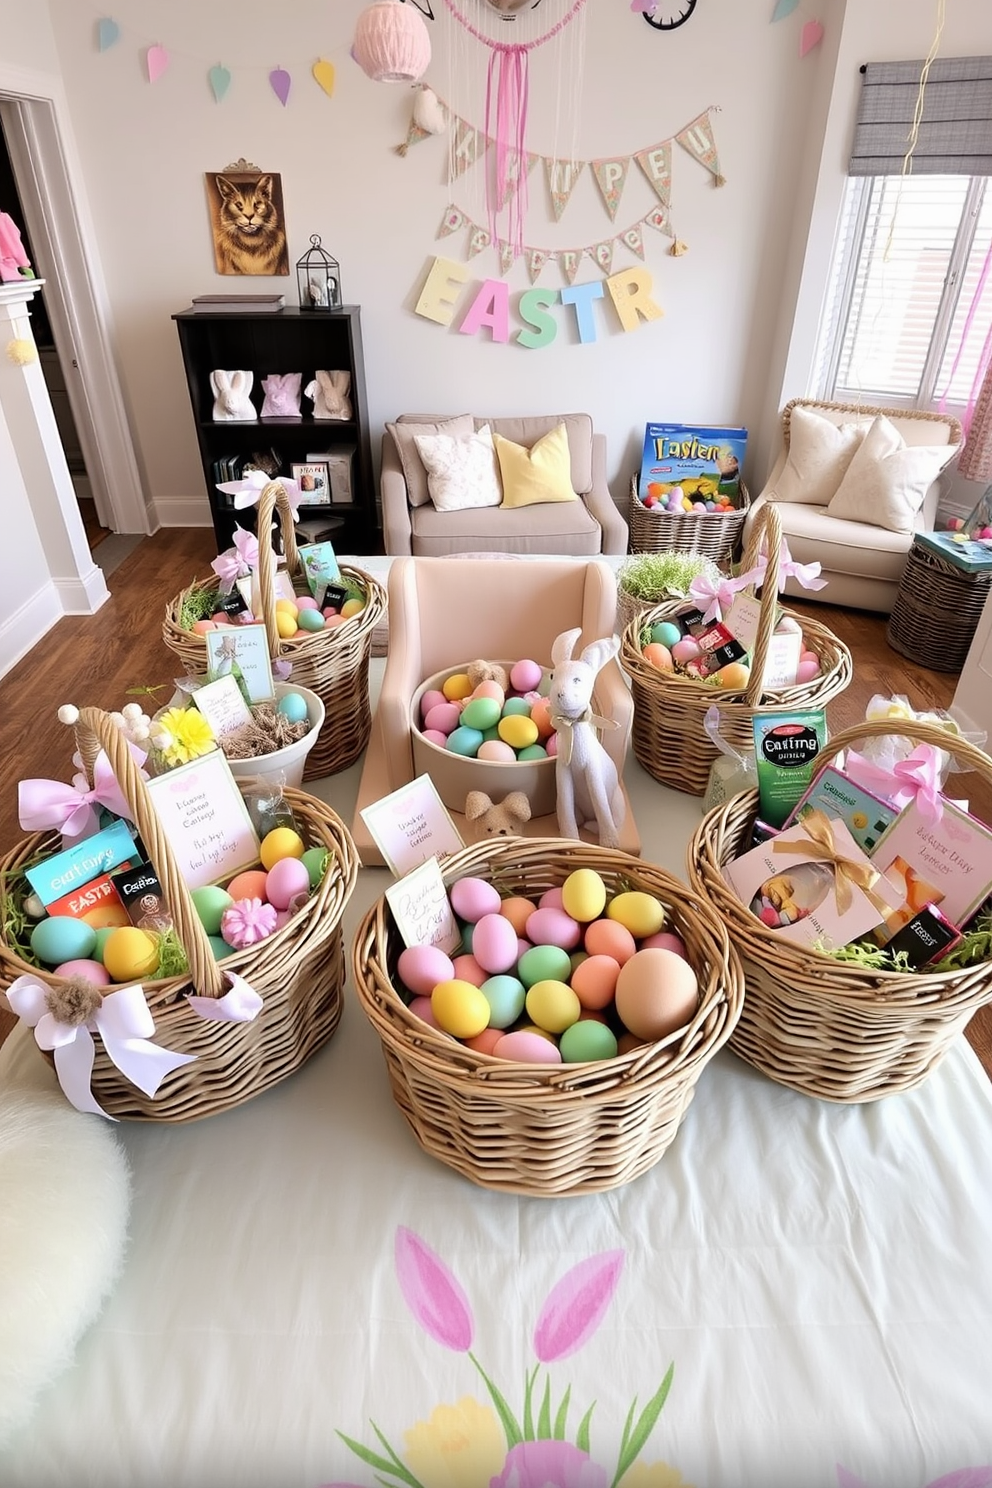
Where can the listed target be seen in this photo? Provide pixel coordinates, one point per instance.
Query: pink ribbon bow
(806, 574)
(713, 596)
(72, 809)
(122, 1020)
(246, 492)
(241, 1004)
(235, 563)
(917, 777)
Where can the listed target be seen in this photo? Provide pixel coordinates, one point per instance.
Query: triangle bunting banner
(479, 238)
(467, 145)
(570, 258)
(453, 219)
(697, 138)
(603, 254)
(633, 239)
(656, 163)
(562, 176)
(535, 258)
(611, 177)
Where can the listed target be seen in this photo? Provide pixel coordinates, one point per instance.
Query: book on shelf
(237, 304)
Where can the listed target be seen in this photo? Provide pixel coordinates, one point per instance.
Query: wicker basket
(937, 610)
(548, 1129)
(821, 1026)
(298, 971)
(668, 737)
(332, 663)
(717, 534)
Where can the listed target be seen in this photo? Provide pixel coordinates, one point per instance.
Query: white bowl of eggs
(285, 766)
(444, 715)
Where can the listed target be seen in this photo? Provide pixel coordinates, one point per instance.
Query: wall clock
(666, 15)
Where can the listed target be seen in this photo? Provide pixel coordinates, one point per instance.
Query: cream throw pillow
(887, 479)
(819, 454)
(542, 473)
(461, 471)
(404, 435)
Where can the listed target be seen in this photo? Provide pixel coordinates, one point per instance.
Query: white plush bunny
(329, 392)
(232, 397)
(282, 395)
(589, 791)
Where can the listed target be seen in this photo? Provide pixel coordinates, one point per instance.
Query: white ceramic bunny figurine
(589, 791)
(232, 397)
(282, 395)
(329, 392)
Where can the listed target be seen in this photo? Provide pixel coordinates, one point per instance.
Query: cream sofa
(592, 524)
(862, 563)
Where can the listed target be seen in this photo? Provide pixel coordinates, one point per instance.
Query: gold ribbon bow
(846, 871)
(563, 726)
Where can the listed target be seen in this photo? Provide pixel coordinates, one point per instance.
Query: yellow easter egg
(460, 1008)
(281, 842)
(583, 895)
(640, 913)
(130, 954)
(289, 605)
(352, 607)
(553, 1006)
(518, 730)
(286, 624)
(457, 687)
(734, 675)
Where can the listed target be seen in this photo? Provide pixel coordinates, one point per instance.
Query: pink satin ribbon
(236, 562)
(714, 596)
(71, 809)
(915, 778)
(806, 574)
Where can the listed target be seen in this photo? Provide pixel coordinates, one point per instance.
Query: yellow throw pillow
(542, 473)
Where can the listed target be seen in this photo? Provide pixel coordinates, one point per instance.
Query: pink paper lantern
(392, 43)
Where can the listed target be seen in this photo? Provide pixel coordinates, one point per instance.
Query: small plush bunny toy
(282, 395)
(329, 392)
(497, 820)
(232, 397)
(589, 791)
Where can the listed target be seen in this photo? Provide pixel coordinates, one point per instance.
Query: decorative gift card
(223, 705)
(953, 854)
(81, 863)
(865, 816)
(786, 746)
(203, 814)
(421, 909)
(411, 825)
(812, 884)
(784, 647)
(282, 588)
(320, 566)
(242, 652)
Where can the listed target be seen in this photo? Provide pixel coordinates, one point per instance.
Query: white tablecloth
(815, 1276)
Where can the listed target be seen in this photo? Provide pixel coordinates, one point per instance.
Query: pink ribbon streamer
(806, 574)
(71, 809)
(986, 352)
(717, 595)
(917, 777)
(508, 66)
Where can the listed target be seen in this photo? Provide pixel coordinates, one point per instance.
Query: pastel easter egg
(583, 895)
(468, 969)
(433, 698)
(594, 981)
(487, 688)
(543, 963)
(471, 898)
(310, 620)
(609, 938)
(422, 1008)
(286, 625)
(532, 752)
(443, 718)
(421, 967)
(518, 731)
(315, 860)
(541, 714)
(552, 1005)
(517, 910)
(516, 707)
(435, 736)
(685, 650)
(807, 670)
(219, 948)
(293, 705)
(587, 1041)
(486, 1041)
(656, 994)
(551, 746)
(638, 912)
(220, 618)
(329, 612)
(524, 675)
(61, 938)
(306, 602)
(734, 676)
(456, 687)
(505, 995)
(101, 941)
(286, 880)
(527, 1048)
(788, 625)
(497, 751)
(352, 607)
(286, 606)
(210, 902)
(465, 741)
(657, 655)
(203, 627)
(248, 885)
(131, 954)
(494, 943)
(460, 1008)
(90, 971)
(481, 713)
(553, 927)
(281, 842)
(333, 620)
(665, 940)
(666, 633)
(552, 898)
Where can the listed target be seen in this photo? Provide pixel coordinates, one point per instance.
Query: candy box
(865, 815)
(704, 460)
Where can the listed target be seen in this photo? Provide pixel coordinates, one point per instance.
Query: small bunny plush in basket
(282, 395)
(330, 393)
(589, 790)
(232, 397)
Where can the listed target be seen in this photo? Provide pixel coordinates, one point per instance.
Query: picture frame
(242, 651)
(314, 481)
(240, 191)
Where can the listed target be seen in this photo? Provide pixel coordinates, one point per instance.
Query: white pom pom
(68, 714)
(131, 711)
(118, 719)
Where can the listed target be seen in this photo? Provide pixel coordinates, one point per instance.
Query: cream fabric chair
(862, 563)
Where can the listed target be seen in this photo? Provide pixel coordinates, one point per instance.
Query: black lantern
(318, 278)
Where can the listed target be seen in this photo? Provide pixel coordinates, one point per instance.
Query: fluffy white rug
(64, 1199)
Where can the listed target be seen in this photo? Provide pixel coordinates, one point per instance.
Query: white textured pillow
(819, 454)
(461, 471)
(888, 479)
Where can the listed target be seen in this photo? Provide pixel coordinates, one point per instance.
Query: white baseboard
(85, 595)
(182, 511)
(30, 624)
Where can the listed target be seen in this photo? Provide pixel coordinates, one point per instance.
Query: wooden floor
(94, 660)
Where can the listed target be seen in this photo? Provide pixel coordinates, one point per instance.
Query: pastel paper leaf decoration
(783, 8)
(220, 81)
(156, 60)
(810, 36)
(431, 1292)
(323, 73)
(107, 32)
(280, 82)
(576, 1306)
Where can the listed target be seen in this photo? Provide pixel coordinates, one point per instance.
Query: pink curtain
(976, 457)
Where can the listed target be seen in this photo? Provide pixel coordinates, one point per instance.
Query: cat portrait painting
(247, 222)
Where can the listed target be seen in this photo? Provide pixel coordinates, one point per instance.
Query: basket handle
(93, 726)
(964, 752)
(274, 497)
(767, 529)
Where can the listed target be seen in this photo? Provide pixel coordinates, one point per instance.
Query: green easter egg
(666, 633)
(514, 706)
(61, 938)
(585, 1041)
(314, 861)
(210, 903)
(544, 963)
(310, 619)
(532, 752)
(219, 947)
(481, 713)
(101, 940)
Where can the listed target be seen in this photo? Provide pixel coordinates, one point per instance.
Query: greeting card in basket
(954, 855)
(812, 884)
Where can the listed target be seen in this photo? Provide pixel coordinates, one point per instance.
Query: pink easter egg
(523, 946)
(421, 1008)
(663, 940)
(92, 971)
(306, 602)
(525, 675)
(203, 627)
(471, 898)
(467, 969)
(807, 670)
(285, 879)
(328, 612)
(333, 620)
(421, 967)
(431, 699)
(554, 927)
(490, 689)
(220, 618)
(495, 749)
(435, 736)
(685, 650)
(494, 943)
(551, 899)
(283, 917)
(443, 717)
(551, 745)
(527, 1048)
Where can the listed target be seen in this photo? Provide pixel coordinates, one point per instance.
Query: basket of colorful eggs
(694, 517)
(327, 650)
(674, 683)
(486, 725)
(554, 1046)
(230, 987)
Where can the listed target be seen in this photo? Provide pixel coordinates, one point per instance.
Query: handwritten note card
(412, 825)
(421, 909)
(222, 705)
(242, 651)
(203, 814)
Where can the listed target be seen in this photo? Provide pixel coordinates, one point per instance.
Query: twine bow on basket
(564, 726)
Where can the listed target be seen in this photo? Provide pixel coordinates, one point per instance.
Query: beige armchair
(582, 528)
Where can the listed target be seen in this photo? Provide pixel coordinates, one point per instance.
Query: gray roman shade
(955, 135)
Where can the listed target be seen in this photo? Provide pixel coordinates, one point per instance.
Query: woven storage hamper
(298, 971)
(332, 663)
(937, 610)
(821, 1026)
(716, 534)
(548, 1129)
(668, 737)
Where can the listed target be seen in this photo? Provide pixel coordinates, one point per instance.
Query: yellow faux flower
(653, 1475)
(181, 735)
(460, 1446)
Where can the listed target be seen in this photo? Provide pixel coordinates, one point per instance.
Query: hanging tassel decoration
(678, 248)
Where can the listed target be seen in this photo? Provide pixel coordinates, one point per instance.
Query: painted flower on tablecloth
(471, 1445)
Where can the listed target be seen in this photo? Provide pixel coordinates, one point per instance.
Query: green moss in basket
(974, 946)
(869, 955)
(197, 604)
(651, 578)
(15, 922)
(172, 960)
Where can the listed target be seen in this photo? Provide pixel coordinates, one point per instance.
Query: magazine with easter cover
(705, 460)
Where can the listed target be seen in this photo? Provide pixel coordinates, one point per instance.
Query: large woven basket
(668, 737)
(548, 1129)
(821, 1026)
(332, 663)
(298, 971)
(717, 534)
(937, 610)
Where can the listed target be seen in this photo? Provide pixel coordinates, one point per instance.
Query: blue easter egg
(311, 620)
(464, 740)
(293, 705)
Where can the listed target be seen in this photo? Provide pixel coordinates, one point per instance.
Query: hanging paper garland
(697, 138)
(323, 73)
(220, 81)
(280, 82)
(107, 32)
(219, 77)
(156, 61)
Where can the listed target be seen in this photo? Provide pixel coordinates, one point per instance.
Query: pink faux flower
(549, 1464)
(247, 921)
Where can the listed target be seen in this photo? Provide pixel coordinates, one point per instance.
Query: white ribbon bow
(123, 1021)
(241, 1005)
(246, 492)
